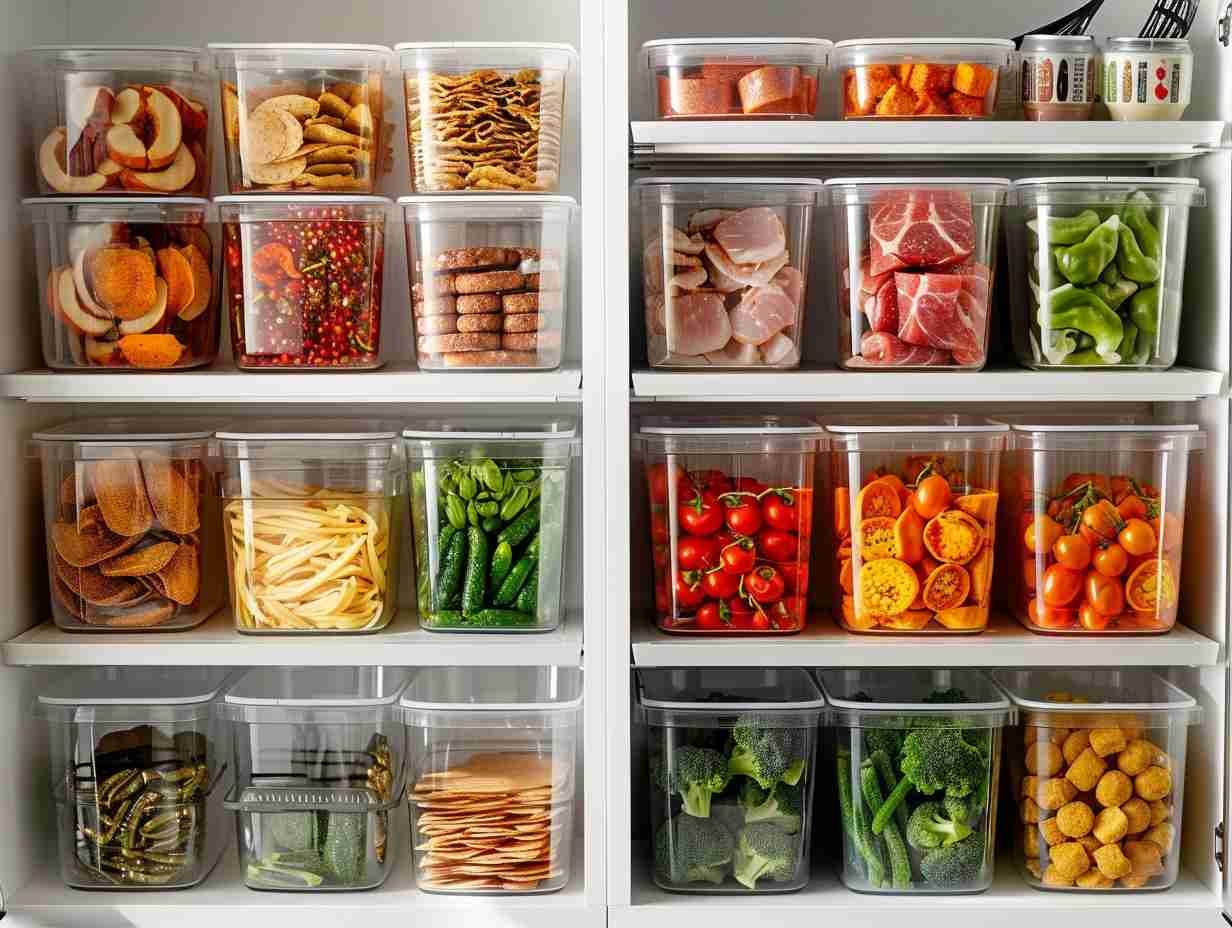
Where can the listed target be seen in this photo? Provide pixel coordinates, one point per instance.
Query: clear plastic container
(1058, 77)
(736, 78)
(1146, 79)
(319, 760)
(725, 263)
(126, 283)
(116, 119)
(1110, 262)
(915, 522)
(312, 511)
(1098, 518)
(131, 518)
(489, 510)
(748, 738)
(305, 277)
(731, 520)
(303, 116)
(951, 78)
(488, 279)
(138, 775)
(897, 838)
(484, 116)
(913, 265)
(492, 777)
(1097, 772)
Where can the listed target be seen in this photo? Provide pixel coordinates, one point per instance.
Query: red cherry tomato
(657, 478)
(689, 593)
(715, 481)
(738, 559)
(742, 613)
(795, 576)
(743, 515)
(663, 600)
(719, 584)
(697, 553)
(781, 514)
(750, 485)
(701, 515)
(776, 545)
(760, 621)
(660, 532)
(713, 615)
(724, 538)
(660, 555)
(765, 585)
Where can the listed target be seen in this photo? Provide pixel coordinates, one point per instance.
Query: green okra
(515, 503)
(455, 512)
(467, 487)
(900, 860)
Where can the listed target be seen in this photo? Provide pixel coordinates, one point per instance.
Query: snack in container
(485, 115)
(303, 116)
(1059, 77)
(1147, 79)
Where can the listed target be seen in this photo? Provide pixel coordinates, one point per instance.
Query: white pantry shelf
(1004, 644)
(216, 642)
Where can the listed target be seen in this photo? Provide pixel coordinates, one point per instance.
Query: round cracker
(264, 137)
(277, 172)
(295, 133)
(296, 104)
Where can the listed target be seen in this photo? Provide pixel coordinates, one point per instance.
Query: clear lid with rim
(1040, 42)
(1093, 698)
(290, 207)
(487, 207)
(917, 432)
(690, 52)
(720, 697)
(124, 695)
(731, 435)
(117, 209)
(117, 57)
(994, 53)
(903, 698)
(312, 439)
(502, 56)
(1133, 43)
(84, 439)
(745, 191)
(280, 56)
(1076, 191)
(494, 697)
(1061, 435)
(850, 191)
(288, 695)
(493, 436)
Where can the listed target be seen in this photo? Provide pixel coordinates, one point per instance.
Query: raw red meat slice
(880, 263)
(697, 323)
(882, 307)
(762, 313)
(883, 349)
(752, 235)
(921, 228)
(929, 314)
(750, 275)
(792, 282)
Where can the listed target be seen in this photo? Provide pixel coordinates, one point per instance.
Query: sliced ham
(690, 279)
(761, 314)
(703, 220)
(751, 275)
(792, 283)
(752, 236)
(697, 323)
(735, 354)
(884, 350)
(718, 279)
(656, 346)
(780, 351)
(930, 315)
(925, 228)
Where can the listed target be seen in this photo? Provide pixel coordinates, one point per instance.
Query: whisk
(1075, 23)
(1170, 19)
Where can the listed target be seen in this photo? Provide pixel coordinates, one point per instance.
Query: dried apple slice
(125, 148)
(71, 311)
(83, 292)
(167, 129)
(203, 283)
(51, 165)
(173, 497)
(128, 107)
(192, 113)
(175, 177)
(178, 274)
(89, 104)
(231, 113)
(98, 352)
(140, 562)
(87, 548)
(150, 319)
(121, 496)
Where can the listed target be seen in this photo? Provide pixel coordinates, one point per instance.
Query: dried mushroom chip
(173, 495)
(181, 578)
(277, 172)
(141, 561)
(147, 615)
(121, 496)
(92, 586)
(85, 549)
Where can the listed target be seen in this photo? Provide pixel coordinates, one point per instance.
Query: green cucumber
(509, 590)
(528, 598)
(488, 618)
(449, 579)
(491, 524)
(502, 563)
(520, 528)
(475, 583)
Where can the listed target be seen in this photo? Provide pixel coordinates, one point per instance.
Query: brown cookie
(526, 322)
(440, 285)
(487, 282)
(531, 302)
(437, 325)
(462, 341)
(530, 341)
(479, 303)
(463, 259)
(483, 322)
(436, 306)
(543, 280)
(491, 359)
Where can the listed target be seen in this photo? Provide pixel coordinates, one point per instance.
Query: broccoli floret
(693, 850)
(767, 755)
(932, 825)
(935, 760)
(764, 851)
(729, 814)
(889, 740)
(782, 807)
(955, 865)
(967, 808)
(696, 774)
(951, 695)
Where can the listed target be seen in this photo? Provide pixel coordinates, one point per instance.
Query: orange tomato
(893, 480)
(1120, 485)
(1131, 507)
(1072, 551)
(1100, 522)
(1042, 534)
(1137, 537)
(1111, 561)
(1102, 484)
(1045, 616)
(1104, 594)
(1028, 573)
(932, 496)
(1074, 481)
(1168, 530)
(1061, 585)
(1091, 619)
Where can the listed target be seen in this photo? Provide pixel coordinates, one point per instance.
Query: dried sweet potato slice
(85, 549)
(182, 576)
(121, 496)
(178, 273)
(203, 283)
(141, 562)
(151, 351)
(173, 497)
(122, 279)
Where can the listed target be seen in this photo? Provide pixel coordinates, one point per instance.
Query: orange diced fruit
(963, 105)
(931, 79)
(904, 72)
(931, 105)
(973, 79)
(898, 101)
(868, 84)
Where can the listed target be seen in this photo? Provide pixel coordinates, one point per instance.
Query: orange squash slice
(953, 537)
(947, 588)
(963, 618)
(879, 498)
(877, 538)
(1151, 588)
(981, 505)
(909, 536)
(887, 587)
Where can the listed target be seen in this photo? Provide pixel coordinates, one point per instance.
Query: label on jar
(1147, 79)
(1052, 78)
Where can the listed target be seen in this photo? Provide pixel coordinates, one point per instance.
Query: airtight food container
(1058, 77)
(118, 119)
(908, 830)
(1147, 79)
(312, 513)
(126, 283)
(1097, 772)
(724, 269)
(489, 511)
(1097, 266)
(488, 279)
(492, 777)
(732, 763)
(731, 520)
(139, 769)
(319, 756)
(947, 78)
(485, 116)
(305, 277)
(913, 266)
(308, 117)
(131, 520)
(915, 521)
(1100, 520)
(735, 78)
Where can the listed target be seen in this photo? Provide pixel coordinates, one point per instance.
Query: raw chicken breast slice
(718, 279)
(703, 220)
(780, 351)
(792, 282)
(750, 275)
(735, 354)
(691, 279)
(763, 313)
(752, 235)
(697, 323)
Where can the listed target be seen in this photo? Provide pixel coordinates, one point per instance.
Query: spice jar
(1147, 79)
(1058, 77)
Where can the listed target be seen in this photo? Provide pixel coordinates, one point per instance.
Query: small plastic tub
(488, 279)
(1058, 77)
(736, 78)
(753, 735)
(303, 116)
(914, 260)
(131, 519)
(731, 504)
(1100, 518)
(510, 734)
(126, 283)
(1097, 267)
(485, 116)
(489, 510)
(1147, 79)
(138, 775)
(312, 512)
(950, 78)
(897, 838)
(305, 276)
(915, 522)
(1097, 772)
(319, 758)
(117, 119)
(725, 263)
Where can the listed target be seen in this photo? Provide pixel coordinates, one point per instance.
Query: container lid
(502, 428)
(124, 429)
(897, 698)
(666, 53)
(1086, 436)
(480, 206)
(115, 201)
(1051, 697)
(321, 199)
(116, 55)
(738, 40)
(495, 689)
(720, 697)
(856, 190)
(148, 686)
(278, 55)
(1164, 191)
(917, 432)
(1133, 43)
(319, 687)
(753, 190)
(1040, 41)
(326, 430)
(962, 42)
(554, 56)
(340, 440)
(731, 434)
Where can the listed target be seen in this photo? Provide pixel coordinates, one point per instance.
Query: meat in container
(1097, 511)
(736, 78)
(312, 513)
(915, 521)
(489, 511)
(1097, 773)
(917, 770)
(118, 119)
(731, 519)
(913, 265)
(131, 517)
(492, 777)
(1147, 79)
(488, 279)
(139, 769)
(319, 756)
(724, 269)
(485, 116)
(126, 283)
(304, 280)
(1097, 266)
(732, 762)
(303, 116)
(949, 78)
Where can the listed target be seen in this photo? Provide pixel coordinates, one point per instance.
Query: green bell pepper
(1128, 341)
(1084, 262)
(1114, 294)
(1067, 230)
(1059, 344)
(1111, 275)
(1135, 216)
(1144, 311)
(1071, 307)
(1131, 261)
(1087, 358)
